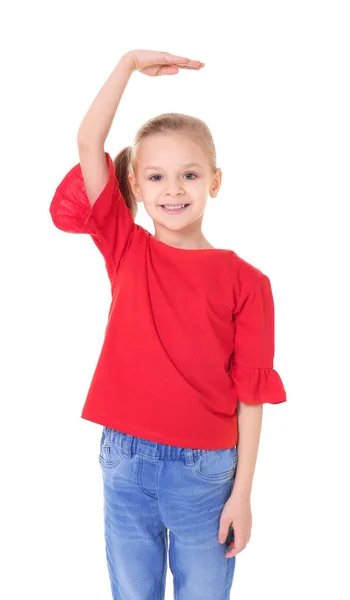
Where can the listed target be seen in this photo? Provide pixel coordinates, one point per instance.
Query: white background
(275, 93)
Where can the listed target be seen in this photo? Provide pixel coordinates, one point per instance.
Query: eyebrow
(190, 164)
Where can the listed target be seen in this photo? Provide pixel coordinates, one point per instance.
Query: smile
(174, 208)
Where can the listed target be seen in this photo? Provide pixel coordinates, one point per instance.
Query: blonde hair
(193, 127)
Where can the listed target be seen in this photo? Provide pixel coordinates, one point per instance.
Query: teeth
(172, 207)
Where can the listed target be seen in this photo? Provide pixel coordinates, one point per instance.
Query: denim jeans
(151, 490)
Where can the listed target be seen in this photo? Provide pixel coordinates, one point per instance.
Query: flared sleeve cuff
(71, 210)
(258, 385)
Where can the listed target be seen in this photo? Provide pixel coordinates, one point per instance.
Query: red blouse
(189, 332)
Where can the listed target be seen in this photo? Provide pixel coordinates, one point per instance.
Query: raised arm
(89, 199)
(96, 125)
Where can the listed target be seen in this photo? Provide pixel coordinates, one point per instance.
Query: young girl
(187, 359)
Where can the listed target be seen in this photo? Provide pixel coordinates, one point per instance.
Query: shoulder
(245, 273)
(245, 276)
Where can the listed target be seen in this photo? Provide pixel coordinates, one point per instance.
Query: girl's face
(165, 174)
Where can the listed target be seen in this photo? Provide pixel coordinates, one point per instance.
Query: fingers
(183, 62)
(194, 67)
(177, 59)
(235, 548)
(188, 67)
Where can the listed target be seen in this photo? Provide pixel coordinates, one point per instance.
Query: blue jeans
(151, 489)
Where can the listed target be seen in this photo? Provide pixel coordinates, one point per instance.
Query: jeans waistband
(131, 444)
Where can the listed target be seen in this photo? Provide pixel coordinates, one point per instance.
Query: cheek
(149, 202)
(149, 192)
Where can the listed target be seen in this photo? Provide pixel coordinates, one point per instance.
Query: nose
(174, 190)
(175, 195)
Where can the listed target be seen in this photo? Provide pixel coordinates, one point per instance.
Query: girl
(187, 359)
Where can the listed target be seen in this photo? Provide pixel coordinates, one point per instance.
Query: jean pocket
(111, 454)
(217, 465)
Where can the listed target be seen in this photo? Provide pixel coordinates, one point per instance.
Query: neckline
(171, 248)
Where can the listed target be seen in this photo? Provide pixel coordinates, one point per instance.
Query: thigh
(194, 496)
(136, 540)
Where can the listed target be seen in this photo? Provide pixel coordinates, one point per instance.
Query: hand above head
(154, 63)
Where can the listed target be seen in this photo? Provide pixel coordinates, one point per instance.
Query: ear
(216, 183)
(134, 187)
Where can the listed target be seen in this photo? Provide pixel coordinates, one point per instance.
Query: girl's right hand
(153, 63)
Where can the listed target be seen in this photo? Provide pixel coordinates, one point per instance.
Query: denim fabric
(152, 491)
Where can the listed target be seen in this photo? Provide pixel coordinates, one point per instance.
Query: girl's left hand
(155, 63)
(237, 513)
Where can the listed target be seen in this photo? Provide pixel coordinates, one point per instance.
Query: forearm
(249, 429)
(98, 120)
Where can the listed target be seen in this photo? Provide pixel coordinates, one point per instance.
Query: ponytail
(121, 164)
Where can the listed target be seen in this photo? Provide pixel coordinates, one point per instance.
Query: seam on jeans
(139, 480)
(176, 577)
(157, 491)
(227, 587)
(160, 582)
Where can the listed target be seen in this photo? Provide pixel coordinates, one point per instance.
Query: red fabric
(189, 332)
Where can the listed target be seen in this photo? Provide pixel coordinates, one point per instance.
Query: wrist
(128, 59)
(241, 492)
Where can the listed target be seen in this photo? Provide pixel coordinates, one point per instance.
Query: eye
(151, 178)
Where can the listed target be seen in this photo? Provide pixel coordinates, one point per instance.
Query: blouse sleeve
(109, 221)
(253, 375)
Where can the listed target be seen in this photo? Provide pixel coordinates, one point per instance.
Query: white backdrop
(275, 93)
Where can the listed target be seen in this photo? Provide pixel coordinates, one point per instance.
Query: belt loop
(127, 444)
(189, 460)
